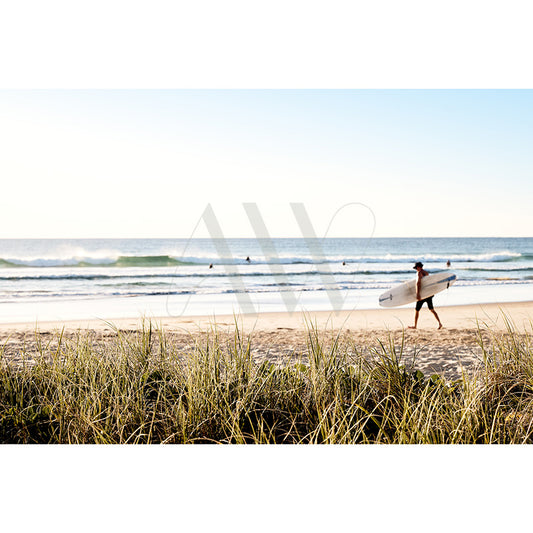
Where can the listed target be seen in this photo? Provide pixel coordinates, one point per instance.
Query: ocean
(62, 279)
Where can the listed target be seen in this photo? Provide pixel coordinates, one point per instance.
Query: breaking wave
(124, 261)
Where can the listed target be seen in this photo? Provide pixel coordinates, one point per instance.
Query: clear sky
(145, 163)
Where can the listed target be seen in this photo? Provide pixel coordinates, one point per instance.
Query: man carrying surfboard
(419, 302)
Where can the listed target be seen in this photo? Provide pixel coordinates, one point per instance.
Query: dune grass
(139, 388)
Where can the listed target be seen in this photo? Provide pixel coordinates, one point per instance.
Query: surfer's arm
(418, 284)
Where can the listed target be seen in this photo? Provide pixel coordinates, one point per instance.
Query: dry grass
(139, 388)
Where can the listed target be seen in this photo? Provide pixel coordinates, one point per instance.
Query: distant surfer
(210, 265)
(248, 259)
(419, 302)
(448, 264)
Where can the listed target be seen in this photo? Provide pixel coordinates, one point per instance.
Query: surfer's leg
(417, 312)
(418, 306)
(437, 317)
(430, 306)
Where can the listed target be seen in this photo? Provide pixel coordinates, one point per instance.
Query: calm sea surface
(87, 278)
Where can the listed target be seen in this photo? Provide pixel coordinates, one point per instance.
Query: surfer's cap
(418, 264)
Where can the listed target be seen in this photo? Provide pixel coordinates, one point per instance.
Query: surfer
(419, 303)
(448, 264)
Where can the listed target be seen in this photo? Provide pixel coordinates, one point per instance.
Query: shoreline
(120, 308)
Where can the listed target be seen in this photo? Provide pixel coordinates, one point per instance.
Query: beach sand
(282, 337)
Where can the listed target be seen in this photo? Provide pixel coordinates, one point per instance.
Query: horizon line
(257, 238)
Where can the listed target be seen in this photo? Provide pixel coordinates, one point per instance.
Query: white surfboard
(405, 293)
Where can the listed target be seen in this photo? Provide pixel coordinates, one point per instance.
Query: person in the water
(419, 302)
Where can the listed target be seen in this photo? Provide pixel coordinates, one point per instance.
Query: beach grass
(137, 387)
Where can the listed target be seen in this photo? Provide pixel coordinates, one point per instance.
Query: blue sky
(145, 163)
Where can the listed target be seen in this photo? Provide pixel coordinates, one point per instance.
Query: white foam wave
(66, 256)
(73, 255)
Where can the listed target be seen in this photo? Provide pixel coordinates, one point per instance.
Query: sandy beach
(282, 337)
